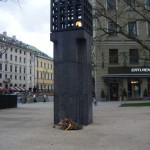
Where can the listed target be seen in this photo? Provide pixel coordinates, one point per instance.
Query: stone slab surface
(30, 127)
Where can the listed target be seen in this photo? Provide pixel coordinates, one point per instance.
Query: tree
(145, 94)
(118, 16)
(102, 93)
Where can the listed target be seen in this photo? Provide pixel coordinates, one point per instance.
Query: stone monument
(71, 33)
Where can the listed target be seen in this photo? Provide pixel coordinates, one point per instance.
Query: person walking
(34, 98)
(94, 101)
(44, 97)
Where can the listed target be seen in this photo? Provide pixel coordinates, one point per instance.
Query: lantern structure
(71, 33)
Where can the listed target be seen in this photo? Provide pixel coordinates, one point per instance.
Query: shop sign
(140, 70)
(128, 70)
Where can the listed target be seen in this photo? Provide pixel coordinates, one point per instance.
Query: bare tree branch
(120, 18)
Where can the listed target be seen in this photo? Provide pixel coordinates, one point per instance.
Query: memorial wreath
(68, 124)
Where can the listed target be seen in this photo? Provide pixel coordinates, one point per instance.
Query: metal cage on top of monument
(71, 15)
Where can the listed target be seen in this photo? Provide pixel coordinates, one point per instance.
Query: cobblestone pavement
(30, 127)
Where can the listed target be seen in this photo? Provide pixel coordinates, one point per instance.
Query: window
(6, 56)
(134, 57)
(20, 51)
(11, 68)
(0, 54)
(1, 67)
(112, 28)
(15, 68)
(15, 78)
(51, 66)
(41, 75)
(24, 78)
(5, 67)
(24, 60)
(111, 4)
(15, 58)
(0, 76)
(132, 28)
(41, 64)
(20, 59)
(10, 76)
(44, 75)
(10, 57)
(130, 4)
(51, 76)
(16, 50)
(20, 77)
(20, 69)
(113, 56)
(37, 74)
(147, 5)
(148, 26)
(5, 76)
(24, 70)
(30, 71)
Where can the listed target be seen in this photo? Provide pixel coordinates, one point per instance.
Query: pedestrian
(44, 97)
(34, 98)
(94, 101)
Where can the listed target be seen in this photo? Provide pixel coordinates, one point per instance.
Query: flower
(68, 124)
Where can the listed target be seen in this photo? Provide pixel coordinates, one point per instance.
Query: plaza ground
(30, 127)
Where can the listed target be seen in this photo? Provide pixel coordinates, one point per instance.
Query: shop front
(133, 79)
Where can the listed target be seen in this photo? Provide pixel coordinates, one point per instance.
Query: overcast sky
(30, 22)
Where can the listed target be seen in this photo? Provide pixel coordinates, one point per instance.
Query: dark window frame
(113, 56)
(132, 28)
(112, 28)
(134, 56)
(111, 5)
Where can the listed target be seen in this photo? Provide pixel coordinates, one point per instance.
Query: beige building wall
(123, 79)
(44, 73)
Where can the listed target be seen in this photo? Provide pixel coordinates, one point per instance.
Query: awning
(12, 89)
(18, 89)
(22, 89)
(4, 89)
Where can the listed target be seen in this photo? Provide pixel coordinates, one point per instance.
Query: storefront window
(134, 88)
(149, 87)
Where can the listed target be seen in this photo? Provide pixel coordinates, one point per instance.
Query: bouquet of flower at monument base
(68, 124)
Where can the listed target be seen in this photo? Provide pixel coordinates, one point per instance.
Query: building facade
(44, 73)
(18, 64)
(121, 62)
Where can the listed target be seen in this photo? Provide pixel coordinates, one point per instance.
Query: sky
(29, 21)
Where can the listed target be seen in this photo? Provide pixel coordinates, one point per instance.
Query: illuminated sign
(140, 69)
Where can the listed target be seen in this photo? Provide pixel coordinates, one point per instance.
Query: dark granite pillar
(72, 76)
